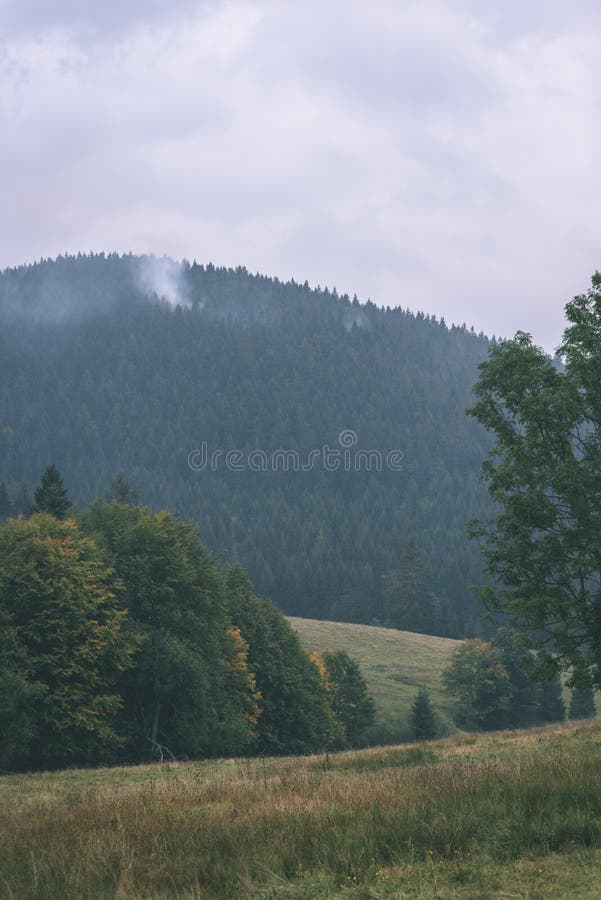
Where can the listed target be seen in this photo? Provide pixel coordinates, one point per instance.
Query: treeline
(248, 363)
(122, 640)
(499, 684)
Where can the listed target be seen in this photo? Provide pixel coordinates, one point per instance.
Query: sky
(441, 155)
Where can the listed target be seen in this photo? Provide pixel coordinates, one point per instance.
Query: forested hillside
(128, 365)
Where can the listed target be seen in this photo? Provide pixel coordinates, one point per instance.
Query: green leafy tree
(188, 691)
(582, 703)
(352, 705)
(478, 681)
(295, 711)
(422, 717)
(544, 545)
(520, 665)
(63, 644)
(551, 707)
(21, 723)
(51, 496)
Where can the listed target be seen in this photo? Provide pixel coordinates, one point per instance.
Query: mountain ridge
(99, 380)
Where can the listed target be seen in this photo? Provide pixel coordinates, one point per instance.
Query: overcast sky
(443, 155)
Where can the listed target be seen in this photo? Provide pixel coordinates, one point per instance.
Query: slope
(344, 423)
(395, 664)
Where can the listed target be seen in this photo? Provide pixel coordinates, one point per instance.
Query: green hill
(345, 424)
(395, 665)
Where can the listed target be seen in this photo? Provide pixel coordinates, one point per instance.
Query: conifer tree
(519, 664)
(22, 502)
(51, 496)
(5, 504)
(409, 602)
(582, 703)
(422, 717)
(122, 492)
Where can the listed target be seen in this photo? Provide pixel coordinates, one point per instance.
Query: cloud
(438, 155)
(85, 20)
(164, 278)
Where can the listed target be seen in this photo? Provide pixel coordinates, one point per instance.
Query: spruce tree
(22, 502)
(409, 602)
(51, 496)
(582, 704)
(519, 664)
(422, 717)
(122, 492)
(5, 504)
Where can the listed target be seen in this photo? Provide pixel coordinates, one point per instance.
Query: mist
(163, 277)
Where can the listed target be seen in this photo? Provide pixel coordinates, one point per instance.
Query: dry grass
(401, 821)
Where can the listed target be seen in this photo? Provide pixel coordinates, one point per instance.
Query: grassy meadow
(395, 665)
(510, 814)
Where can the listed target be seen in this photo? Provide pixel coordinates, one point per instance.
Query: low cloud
(163, 278)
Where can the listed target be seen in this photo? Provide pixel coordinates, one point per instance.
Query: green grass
(513, 814)
(395, 664)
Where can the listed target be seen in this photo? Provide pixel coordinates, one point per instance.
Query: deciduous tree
(479, 684)
(352, 705)
(63, 643)
(543, 547)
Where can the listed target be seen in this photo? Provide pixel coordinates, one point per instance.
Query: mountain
(141, 366)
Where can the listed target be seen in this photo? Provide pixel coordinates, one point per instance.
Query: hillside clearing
(395, 665)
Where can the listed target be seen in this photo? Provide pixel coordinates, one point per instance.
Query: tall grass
(232, 829)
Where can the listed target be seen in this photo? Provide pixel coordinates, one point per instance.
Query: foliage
(122, 492)
(63, 643)
(145, 384)
(394, 664)
(122, 639)
(582, 703)
(20, 718)
(478, 681)
(295, 714)
(51, 496)
(544, 546)
(524, 689)
(422, 717)
(351, 703)
(409, 601)
(189, 689)
(551, 707)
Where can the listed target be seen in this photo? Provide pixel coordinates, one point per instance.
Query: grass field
(395, 665)
(514, 814)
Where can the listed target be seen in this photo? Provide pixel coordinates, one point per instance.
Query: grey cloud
(425, 154)
(89, 20)
(513, 18)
